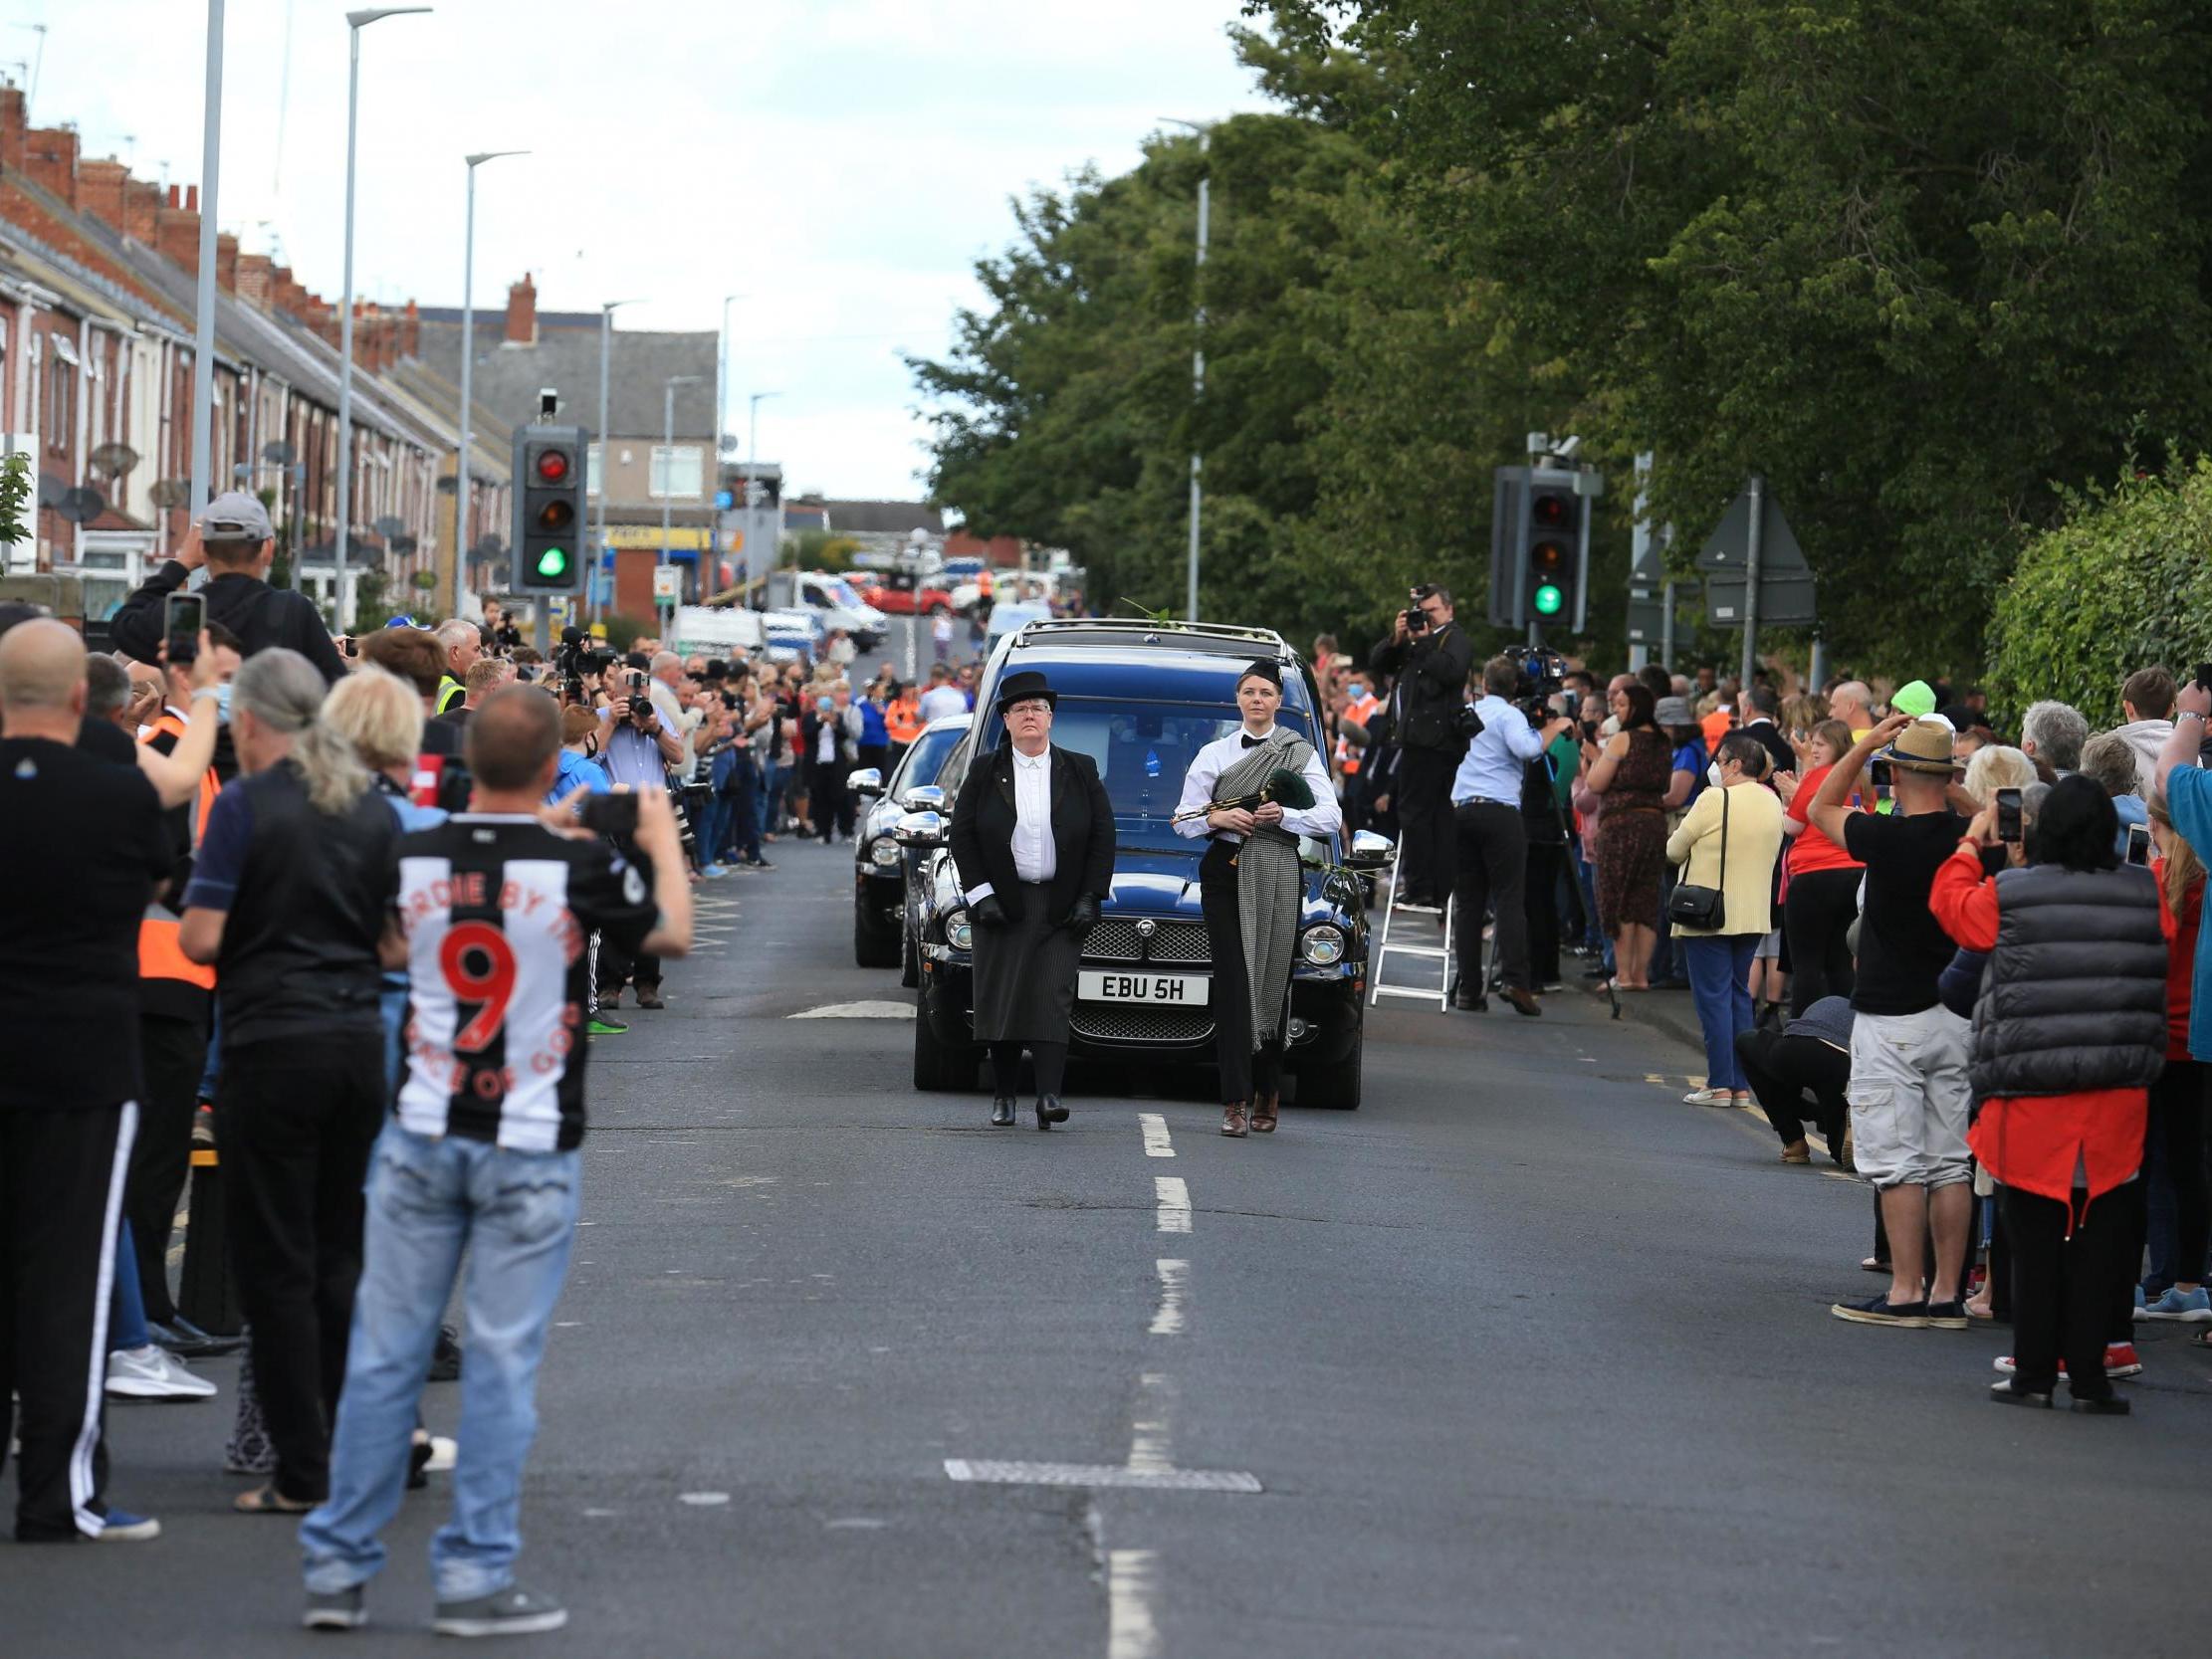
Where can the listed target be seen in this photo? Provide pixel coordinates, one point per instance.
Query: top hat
(1019, 688)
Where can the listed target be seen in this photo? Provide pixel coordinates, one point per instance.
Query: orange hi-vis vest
(902, 718)
(160, 955)
(1359, 711)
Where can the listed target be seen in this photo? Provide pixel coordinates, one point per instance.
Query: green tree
(16, 487)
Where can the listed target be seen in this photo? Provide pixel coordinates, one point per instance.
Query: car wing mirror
(869, 780)
(923, 797)
(920, 830)
(1369, 850)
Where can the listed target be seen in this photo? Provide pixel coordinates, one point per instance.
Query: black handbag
(1704, 907)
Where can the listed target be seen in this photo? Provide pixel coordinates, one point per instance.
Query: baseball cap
(235, 515)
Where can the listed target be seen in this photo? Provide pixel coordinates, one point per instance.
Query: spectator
(1491, 861)
(1684, 786)
(85, 838)
(489, 1167)
(463, 642)
(1799, 1075)
(1909, 1053)
(941, 638)
(575, 767)
(417, 658)
(1655, 674)
(875, 736)
(1821, 896)
(639, 742)
(1729, 844)
(943, 698)
(1432, 663)
(1631, 775)
(2179, 1098)
(1854, 704)
(108, 692)
(235, 542)
(486, 675)
(287, 902)
(1761, 704)
(2146, 702)
(2109, 760)
(2052, 734)
(2069, 1035)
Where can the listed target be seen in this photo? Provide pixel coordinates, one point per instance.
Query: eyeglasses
(1033, 705)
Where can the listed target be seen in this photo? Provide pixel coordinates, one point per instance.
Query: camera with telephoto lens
(1543, 675)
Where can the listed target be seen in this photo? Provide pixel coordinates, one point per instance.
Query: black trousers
(1547, 860)
(1245, 1076)
(616, 968)
(1816, 916)
(61, 1188)
(173, 1052)
(1423, 796)
(1489, 870)
(1797, 1081)
(2064, 1289)
(828, 799)
(299, 1117)
(2177, 1111)
(1006, 1068)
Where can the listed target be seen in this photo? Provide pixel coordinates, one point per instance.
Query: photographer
(1430, 656)
(638, 743)
(1493, 836)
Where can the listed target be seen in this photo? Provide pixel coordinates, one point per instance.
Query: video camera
(577, 655)
(1543, 674)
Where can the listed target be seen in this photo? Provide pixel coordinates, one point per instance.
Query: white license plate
(1175, 990)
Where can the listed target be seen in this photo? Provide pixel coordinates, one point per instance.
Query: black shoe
(1002, 1112)
(758, 864)
(445, 1359)
(2004, 1393)
(2111, 1405)
(189, 1342)
(1050, 1110)
(418, 1463)
(1470, 1002)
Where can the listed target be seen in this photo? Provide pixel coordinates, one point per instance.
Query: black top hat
(1019, 688)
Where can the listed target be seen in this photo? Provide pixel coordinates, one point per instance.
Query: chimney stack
(50, 160)
(522, 313)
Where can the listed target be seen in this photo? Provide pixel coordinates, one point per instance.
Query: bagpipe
(1284, 787)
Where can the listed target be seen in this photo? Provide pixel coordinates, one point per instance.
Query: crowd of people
(1968, 965)
(336, 919)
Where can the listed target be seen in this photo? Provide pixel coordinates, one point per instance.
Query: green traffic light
(1548, 600)
(552, 563)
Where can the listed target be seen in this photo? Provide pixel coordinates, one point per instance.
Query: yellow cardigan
(1754, 843)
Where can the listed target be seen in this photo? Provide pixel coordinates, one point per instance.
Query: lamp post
(468, 368)
(668, 452)
(599, 508)
(722, 404)
(1205, 130)
(203, 327)
(355, 22)
(751, 456)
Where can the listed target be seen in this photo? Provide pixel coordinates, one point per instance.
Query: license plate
(1175, 990)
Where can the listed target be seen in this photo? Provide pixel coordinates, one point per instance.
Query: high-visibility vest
(160, 952)
(451, 694)
(1359, 711)
(901, 718)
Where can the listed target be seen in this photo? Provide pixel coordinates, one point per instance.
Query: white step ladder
(1445, 954)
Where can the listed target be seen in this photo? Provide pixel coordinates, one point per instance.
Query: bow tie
(1253, 743)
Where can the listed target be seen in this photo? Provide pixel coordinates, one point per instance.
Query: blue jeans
(1720, 986)
(126, 1302)
(514, 1213)
(771, 800)
(713, 814)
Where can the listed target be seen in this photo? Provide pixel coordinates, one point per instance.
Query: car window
(923, 759)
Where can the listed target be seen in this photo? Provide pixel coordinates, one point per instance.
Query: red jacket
(2047, 1145)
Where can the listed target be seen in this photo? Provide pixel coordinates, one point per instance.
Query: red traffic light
(1548, 510)
(553, 466)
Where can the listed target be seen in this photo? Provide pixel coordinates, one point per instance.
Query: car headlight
(1323, 945)
(883, 851)
(957, 934)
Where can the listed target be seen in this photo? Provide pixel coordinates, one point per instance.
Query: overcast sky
(839, 162)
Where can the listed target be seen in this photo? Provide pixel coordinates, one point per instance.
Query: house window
(591, 472)
(678, 472)
(60, 404)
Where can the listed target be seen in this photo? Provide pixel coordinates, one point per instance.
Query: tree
(16, 489)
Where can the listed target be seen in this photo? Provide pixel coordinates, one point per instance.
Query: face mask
(222, 703)
(1712, 774)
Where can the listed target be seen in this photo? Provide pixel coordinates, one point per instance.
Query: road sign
(668, 584)
(1784, 601)
(1729, 547)
(1755, 571)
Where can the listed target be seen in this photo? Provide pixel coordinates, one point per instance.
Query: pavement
(1524, 1357)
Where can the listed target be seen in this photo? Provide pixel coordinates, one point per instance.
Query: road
(1525, 1357)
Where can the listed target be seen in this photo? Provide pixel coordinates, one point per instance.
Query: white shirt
(1035, 858)
(825, 744)
(1321, 818)
(939, 701)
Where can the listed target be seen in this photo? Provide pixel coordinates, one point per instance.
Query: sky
(839, 164)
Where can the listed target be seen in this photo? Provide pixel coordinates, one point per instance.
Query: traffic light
(1554, 518)
(1539, 548)
(547, 491)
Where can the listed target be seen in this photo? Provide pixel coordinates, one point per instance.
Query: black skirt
(1026, 975)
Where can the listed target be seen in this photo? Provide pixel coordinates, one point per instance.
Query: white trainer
(149, 1373)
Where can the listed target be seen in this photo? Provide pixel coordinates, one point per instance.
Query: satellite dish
(404, 545)
(115, 458)
(449, 485)
(278, 454)
(51, 487)
(81, 506)
(388, 526)
(171, 493)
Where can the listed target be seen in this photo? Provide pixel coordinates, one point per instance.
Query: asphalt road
(1525, 1357)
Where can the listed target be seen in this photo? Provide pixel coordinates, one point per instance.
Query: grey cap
(1674, 710)
(235, 515)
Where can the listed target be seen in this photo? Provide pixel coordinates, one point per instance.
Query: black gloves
(987, 912)
(1083, 917)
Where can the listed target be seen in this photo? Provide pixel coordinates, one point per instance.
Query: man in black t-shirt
(85, 838)
(1908, 1089)
(491, 912)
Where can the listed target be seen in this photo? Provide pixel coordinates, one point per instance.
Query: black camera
(1543, 675)
(1417, 620)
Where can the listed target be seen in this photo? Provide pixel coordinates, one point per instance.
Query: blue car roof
(1161, 673)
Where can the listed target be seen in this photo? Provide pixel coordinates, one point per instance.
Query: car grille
(1115, 939)
(1115, 1022)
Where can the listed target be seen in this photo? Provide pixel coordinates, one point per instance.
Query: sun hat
(1922, 746)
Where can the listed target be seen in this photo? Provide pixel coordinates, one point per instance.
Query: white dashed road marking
(1168, 1320)
(858, 1011)
(1174, 1196)
(1116, 1476)
(1157, 1144)
(1132, 1589)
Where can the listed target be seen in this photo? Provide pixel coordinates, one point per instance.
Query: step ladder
(1445, 954)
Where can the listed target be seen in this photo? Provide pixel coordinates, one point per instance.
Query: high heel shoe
(1002, 1112)
(1050, 1110)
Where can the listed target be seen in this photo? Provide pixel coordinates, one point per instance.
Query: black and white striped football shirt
(497, 913)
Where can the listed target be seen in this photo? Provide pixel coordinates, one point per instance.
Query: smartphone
(612, 815)
(2138, 844)
(2204, 676)
(348, 646)
(182, 620)
(1878, 774)
(2008, 815)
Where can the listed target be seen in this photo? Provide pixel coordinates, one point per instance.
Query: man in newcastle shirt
(491, 912)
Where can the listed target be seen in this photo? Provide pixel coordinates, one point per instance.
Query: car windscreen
(840, 592)
(925, 760)
(1143, 750)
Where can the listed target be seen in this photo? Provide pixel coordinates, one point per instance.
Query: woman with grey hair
(287, 901)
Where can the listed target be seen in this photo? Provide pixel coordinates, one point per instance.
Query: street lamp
(722, 403)
(468, 368)
(668, 451)
(355, 22)
(752, 520)
(203, 318)
(599, 514)
(1205, 130)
